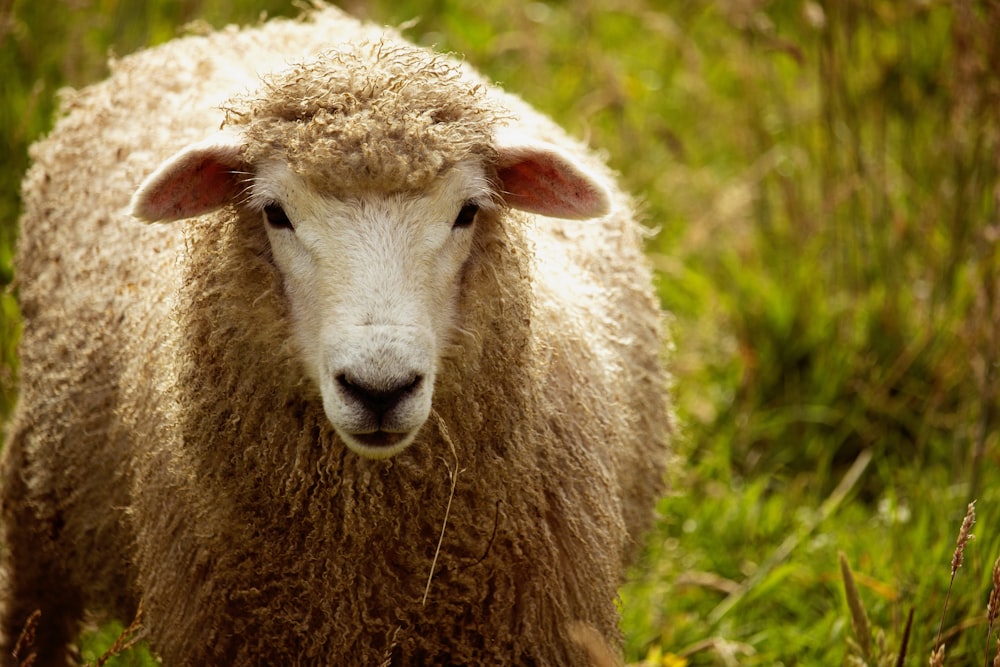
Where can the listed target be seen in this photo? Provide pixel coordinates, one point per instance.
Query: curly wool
(168, 447)
(402, 110)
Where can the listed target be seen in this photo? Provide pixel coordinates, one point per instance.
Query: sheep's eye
(276, 217)
(466, 216)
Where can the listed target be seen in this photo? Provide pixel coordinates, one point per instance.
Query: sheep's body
(168, 448)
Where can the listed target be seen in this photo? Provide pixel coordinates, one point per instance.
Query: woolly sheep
(392, 393)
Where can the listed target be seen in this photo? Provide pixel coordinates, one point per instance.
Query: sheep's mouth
(380, 439)
(378, 444)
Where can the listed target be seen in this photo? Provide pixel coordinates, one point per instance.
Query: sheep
(384, 384)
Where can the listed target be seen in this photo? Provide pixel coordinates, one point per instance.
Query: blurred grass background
(823, 178)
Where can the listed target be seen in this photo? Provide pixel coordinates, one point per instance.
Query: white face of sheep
(372, 281)
(372, 284)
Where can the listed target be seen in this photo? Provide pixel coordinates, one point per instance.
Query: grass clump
(869, 648)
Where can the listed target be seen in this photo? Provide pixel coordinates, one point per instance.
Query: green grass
(822, 177)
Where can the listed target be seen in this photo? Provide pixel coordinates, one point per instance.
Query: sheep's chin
(377, 445)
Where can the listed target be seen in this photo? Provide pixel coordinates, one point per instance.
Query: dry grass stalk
(859, 619)
(901, 658)
(26, 640)
(992, 611)
(964, 537)
(453, 474)
(387, 660)
(128, 638)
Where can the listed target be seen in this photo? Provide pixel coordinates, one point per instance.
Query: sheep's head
(371, 249)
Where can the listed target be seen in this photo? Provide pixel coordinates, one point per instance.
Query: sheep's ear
(198, 179)
(541, 178)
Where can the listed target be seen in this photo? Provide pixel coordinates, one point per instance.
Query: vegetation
(823, 178)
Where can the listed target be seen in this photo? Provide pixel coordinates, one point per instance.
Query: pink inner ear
(196, 180)
(199, 187)
(544, 183)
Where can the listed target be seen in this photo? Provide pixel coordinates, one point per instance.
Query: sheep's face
(372, 279)
(372, 283)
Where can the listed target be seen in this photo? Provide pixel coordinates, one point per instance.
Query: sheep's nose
(380, 399)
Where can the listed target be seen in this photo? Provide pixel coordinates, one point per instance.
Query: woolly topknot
(380, 116)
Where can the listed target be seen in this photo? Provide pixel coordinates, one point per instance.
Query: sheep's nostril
(381, 398)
